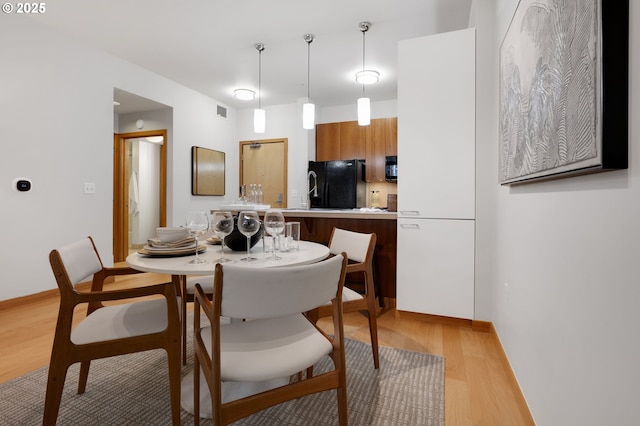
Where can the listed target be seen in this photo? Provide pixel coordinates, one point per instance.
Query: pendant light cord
(308, 66)
(259, 79)
(364, 27)
(259, 47)
(308, 38)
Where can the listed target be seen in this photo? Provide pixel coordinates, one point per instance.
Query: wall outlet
(294, 193)
(89, 188)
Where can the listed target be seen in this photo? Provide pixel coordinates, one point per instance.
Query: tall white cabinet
(436, 183)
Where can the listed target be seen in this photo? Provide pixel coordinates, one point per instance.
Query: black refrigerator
(337, 184)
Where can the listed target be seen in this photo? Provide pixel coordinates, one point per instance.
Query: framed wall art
(564, 89)
(207, 167)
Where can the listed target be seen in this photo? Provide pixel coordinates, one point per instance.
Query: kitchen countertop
(340, 213)
(330, 213)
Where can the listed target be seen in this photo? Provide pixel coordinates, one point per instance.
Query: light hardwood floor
(479, 387)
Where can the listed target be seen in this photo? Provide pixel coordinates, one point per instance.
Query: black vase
(236, 241)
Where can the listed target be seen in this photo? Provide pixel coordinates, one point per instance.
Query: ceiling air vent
(222, 111)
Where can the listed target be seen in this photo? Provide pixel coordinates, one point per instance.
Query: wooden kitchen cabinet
(382, 140)
(328, 142)
(352, 141)
(348, 141)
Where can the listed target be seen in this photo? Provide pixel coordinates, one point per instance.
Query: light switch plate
(89, 188)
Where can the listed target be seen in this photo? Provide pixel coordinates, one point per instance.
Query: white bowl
(169, 235)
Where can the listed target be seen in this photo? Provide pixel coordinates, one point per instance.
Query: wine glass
(197, 224)
(248, 225)
(274, 225)
(222, 225)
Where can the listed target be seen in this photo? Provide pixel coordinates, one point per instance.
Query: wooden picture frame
(207, 177)
(564, 90)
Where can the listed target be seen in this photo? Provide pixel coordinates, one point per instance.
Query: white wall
(568, 251)
(56, 128)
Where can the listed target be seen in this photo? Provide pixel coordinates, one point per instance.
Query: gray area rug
(408, 389)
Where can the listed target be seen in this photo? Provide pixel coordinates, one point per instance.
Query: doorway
(265, 162)
(140, 189)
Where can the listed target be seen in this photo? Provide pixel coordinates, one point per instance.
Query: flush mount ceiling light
(244, 94)
(367, 76)
(364, 104)
(308, 109)
(259, 116)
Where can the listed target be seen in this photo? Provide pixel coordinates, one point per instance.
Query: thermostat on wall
(22, 184)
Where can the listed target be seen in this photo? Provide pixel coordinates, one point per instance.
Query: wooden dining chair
(360, 249)
(278, 341)
(107, 330)
(188, 289)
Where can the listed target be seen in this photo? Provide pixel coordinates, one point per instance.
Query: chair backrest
(289, 290)
(356, 244)
(80, 260)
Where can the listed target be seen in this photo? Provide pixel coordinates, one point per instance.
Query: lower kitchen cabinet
(435, 266)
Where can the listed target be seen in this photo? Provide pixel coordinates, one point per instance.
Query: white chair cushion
(267, 349)
(355, 244)
(80, 260)
(205, 281)
(120, 321)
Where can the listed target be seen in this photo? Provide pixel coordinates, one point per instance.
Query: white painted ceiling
(207, 45)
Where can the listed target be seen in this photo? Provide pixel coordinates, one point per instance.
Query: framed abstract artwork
(564, 90)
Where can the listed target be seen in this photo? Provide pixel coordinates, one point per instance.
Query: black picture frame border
(614, 95)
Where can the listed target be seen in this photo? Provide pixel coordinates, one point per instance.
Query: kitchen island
(316, 225)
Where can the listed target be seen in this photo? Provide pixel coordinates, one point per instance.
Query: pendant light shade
(259, 120)
(308, 109)
(308, 116)
(364, 111)
(259, 115)
(364, 104)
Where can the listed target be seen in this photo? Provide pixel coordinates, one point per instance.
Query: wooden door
(122, 183)
(265, 162)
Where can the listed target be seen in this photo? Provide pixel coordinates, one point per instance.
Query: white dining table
(308, 252)
(179, 267)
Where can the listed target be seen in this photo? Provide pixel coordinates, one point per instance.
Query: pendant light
(364, 104)
(259, 116)
(308, 109)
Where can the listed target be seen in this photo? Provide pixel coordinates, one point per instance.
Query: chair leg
(373, 323)
(55, 385)
(343, 417)
(373, 331)
(173, 359)
(196, 391)
(182, 285)
(84, 374)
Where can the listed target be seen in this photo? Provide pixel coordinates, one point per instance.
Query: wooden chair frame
(366, 304)
(229, 412)
(65, 352)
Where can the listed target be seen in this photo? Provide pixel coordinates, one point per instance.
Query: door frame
(121, 167)
(285, 154)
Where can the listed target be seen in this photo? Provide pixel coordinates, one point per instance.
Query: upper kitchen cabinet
(328, 142)
(436, 135)
(348, 141)
(382, 140)
(352, 141)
